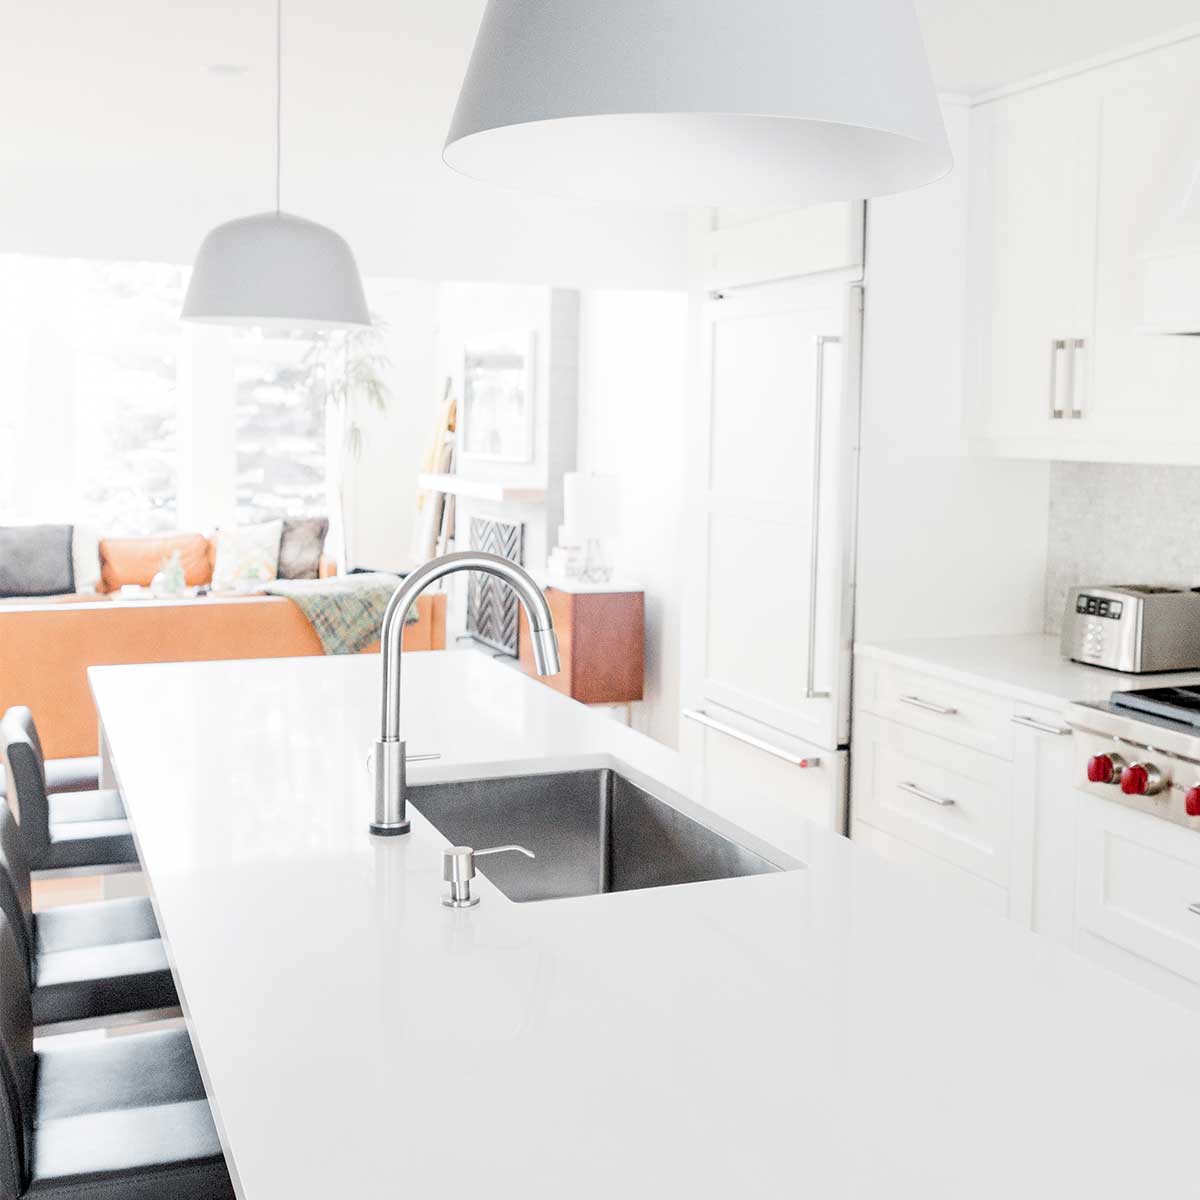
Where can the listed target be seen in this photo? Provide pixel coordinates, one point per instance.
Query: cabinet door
(775, 495)
(1145, 386)
(1031, 269)
(1044, 800)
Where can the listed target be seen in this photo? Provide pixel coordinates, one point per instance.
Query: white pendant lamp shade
(700, 102)
(275, 269)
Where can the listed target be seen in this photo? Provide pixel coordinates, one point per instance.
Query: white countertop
(1026, 667)
(831, 1032)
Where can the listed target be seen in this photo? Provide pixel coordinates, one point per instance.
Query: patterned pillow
(301, 547)
(247, 554)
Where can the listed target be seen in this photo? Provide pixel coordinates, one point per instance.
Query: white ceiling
(117, 137)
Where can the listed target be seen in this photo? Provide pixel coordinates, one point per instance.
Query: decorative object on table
(36, 560)
(491, 604)
(567, 558)
(602, 643)
(273, 268)
(301, 547)
(498, 399)
(171, 580)
(439, 458)
(346, 611)
(346, 370)
(591, 516)
(246, 555)
(829, 100)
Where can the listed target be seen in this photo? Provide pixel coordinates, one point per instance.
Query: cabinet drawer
(950, 882)
(949, 800)
(961, 714)
(1139, 878)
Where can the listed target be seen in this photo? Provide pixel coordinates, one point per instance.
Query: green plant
(346, 367)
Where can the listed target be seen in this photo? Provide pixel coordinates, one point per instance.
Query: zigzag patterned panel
(491, 603)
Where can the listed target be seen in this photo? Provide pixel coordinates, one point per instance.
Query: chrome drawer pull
(1194, 908)
(702, 718)
(1041, 726)
(929, 706)
(913, 790)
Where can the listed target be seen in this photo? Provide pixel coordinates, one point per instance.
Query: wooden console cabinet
(602, 644)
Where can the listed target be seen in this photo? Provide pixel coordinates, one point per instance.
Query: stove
(1142, 749)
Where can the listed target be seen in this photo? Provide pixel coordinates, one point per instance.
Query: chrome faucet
(387, 766)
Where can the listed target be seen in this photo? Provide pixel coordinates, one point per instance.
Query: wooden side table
(601, 641)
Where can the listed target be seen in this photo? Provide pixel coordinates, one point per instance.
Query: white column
(207, 451)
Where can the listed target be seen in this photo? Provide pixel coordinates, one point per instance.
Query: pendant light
(700, 102)
(275, 269)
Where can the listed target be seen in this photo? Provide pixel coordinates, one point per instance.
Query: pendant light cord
(278, 98)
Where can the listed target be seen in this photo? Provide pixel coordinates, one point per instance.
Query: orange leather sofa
(46, 648)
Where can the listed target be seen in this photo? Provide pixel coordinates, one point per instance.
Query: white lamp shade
(275, 269)
(591, 506)
(706, 102)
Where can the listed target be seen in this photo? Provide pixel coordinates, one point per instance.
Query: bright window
(88, 404)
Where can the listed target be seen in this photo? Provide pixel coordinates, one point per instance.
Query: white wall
(633, 358)
(383, 483)
(948, 544)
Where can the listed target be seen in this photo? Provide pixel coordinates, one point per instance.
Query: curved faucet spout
(390, 811)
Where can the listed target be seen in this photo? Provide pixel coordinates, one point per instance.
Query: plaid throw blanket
(346, 611)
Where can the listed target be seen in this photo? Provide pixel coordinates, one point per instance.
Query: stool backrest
(16, 894)
(26, 774)
(18, 1069)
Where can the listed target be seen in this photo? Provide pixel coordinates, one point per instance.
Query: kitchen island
(829, 1031)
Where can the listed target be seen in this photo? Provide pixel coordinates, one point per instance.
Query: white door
(772, 509)
(1032, 261)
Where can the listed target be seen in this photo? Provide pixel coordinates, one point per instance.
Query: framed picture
(496, 422)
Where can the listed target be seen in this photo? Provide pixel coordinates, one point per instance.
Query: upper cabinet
(1070, 189)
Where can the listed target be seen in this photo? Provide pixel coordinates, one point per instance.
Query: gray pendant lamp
(700, 102)
(275, 269)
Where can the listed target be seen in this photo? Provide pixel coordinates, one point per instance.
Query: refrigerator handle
(797, 760)
(814, 565)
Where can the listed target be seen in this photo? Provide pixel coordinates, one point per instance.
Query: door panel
(776, 505)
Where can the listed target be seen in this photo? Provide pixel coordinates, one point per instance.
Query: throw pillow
(301, 546)
(85, 559)
(35, 560)
(247, 554)
(137, 560)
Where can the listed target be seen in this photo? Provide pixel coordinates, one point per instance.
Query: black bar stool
(82, 961)
(125, 1118)
(66, 829)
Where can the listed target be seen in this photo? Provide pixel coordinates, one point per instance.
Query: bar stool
(122, 1118)
(62, 774)
(66, 829)
(82, 961)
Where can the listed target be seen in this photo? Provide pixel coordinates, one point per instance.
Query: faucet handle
(458, 869)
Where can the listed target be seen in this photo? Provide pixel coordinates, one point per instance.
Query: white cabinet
(1032, 259)
(1071, 183)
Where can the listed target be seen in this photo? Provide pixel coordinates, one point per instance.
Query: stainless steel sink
(592, 831)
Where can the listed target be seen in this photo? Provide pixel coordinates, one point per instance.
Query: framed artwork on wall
(496, 423)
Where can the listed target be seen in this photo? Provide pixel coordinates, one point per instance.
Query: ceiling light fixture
(275, 269)
(705, 102)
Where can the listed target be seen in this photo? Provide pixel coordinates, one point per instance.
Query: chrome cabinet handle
(929, 706)
(1194, 908)
(814, 564)
(1041, 726)
(702, 718)
(1077, 347)
(914, 790)
(1057, 346)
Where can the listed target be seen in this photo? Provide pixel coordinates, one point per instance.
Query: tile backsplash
(1120, 523)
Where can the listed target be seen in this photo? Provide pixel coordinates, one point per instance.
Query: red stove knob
(1191, 802)
(1104, 768)
(1141, 779)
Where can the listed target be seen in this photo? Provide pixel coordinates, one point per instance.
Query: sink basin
(593, 831)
